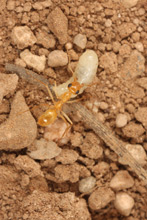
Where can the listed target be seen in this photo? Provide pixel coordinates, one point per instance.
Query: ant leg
(65, 119)
(66, 116)
(69, 65)
(48, 89)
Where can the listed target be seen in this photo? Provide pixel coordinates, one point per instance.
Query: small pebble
(57, 22)
(124, 203)
(57, 58)
(100, 198)
(121, 180)
(87, 184)
(139, 46)
(141, 11)
(68, 46)
(44, 150)
(34, 61)
(138, 152)
(103, 105)
(121, 120)
(80, 40)
(23, 37)
(129, 4)
(67, 156)
(108, 23)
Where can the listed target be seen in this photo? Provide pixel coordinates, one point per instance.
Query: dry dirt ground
(79, 178)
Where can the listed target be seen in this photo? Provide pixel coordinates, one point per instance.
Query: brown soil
(48, 189)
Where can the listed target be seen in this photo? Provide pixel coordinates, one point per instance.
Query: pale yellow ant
(50, 115)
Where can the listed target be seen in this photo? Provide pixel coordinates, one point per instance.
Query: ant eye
(69, 85)
(77, 92)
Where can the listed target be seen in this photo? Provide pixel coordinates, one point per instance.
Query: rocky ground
(78, 177)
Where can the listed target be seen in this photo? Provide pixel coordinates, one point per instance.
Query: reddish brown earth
(47, 186)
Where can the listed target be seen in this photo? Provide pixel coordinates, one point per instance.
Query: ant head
(74, 87)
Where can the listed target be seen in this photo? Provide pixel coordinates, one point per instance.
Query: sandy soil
(79, 177)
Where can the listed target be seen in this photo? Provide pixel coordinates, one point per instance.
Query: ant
(50, 115)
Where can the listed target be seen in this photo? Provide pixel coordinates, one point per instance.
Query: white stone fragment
(139, 46)
(121, 120)
(80, 40)
(121, 180)
(44, 150)
(124, 203)
(57, 58)
(138, 152)
(87, 184)
(34, 61)
(23, 37)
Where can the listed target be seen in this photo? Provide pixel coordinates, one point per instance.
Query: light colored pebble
(87, 184)
(139, 46)
(68, 46)
(141, 11)
(121, 180)
(34, 61)
(57, 58)
(80, 40)
(129, 4)
(124, 203)
(108, 23)
(8, 83)
(44, 150)
(103, 105)
(121, 120)
(100, 198)
(136, 21)
(138, 152)
(23, 37)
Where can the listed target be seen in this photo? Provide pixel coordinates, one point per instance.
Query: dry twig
(87, 117)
